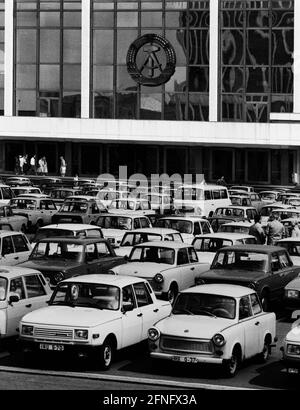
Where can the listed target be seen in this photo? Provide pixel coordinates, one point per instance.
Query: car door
(278, 277)
(147, 307)
(92, 259)
(132, 322)
(248, 326)
(8, 256)
(48, 209)
(185, 271)
(16, 310)
(35, 291)
(22, 248)
(106, 259)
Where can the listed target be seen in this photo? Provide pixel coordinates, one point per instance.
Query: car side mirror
(127, 308)
(13, 299)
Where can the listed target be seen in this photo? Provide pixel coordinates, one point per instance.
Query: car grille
(178, 344)
(55, 334)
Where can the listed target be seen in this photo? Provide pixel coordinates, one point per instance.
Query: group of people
(24, 165)
(274, 231)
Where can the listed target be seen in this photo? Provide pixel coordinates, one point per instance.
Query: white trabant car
(207, 245)
(246, 212)
(22, 290)
(218, 324)
(138, 205)
(168, 266)
(114, 226)
(137, 236)
(188, 226)
(291, 346)
(14, 248)
(94, 315)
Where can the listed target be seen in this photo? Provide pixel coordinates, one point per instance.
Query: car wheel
(231, 366)
(106, 354)
(172, 293)
(264, 355)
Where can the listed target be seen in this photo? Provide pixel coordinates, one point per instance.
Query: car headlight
(153, 334)
(81, 334)
(159, 278)
(219, 340)
(291, 293)
(58, 277)
(293, 349)
(27, 330)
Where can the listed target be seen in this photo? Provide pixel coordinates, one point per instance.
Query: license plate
(54, 348)
(185, 359)
(293, 370)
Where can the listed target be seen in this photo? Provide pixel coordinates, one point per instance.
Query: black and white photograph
(149, 199)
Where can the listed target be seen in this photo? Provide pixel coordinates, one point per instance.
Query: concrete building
(190, 86)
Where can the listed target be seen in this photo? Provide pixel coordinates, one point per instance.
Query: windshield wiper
(183, 311)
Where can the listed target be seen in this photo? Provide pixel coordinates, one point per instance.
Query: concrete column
(297, 56)
(85, 58)
(8, 60)
(213, 59)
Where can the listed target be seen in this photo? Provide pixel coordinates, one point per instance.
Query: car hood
(50, 265)
(70, 316)
(193, 326)
(231, 274)
(294, 284)
(142, 269)
(293, 335)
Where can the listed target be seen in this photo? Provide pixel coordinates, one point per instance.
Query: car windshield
(152, 254)
(234, 228)
(57, 250)
(115, 222)
(177, 224)
(230, 212)
(92, 295)
(240, 260)
(3, 288)
(202, 304)
(211, 244)
(74, 206)
(131, 239)
(28, 204)
(52, 233)
(293, 248)
(123, 204)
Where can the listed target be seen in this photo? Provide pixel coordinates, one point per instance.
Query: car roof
(239, 223)
(15, 271)
(225, 235)
(128, 214)
(238, 207)
(154, 230)
(164, 244)
(4, 186)
(78, 197)
(202, 186)
(254, 248)
(221, 289)
(78, 241)
(185, 217)
(6, 233)
(33, 196)
(289, 240)
(70, 227)
(117, 280)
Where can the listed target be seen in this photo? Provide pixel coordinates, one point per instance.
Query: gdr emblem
(151, 60)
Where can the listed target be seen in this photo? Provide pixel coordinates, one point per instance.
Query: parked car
(38, 209)
(206, 246)
(60, 194)
(269, 197)
(238, 200)
(291, 347)
(216, 324)
(62, 258)
(79, 209)
(108, 196)
(266, 269)
(67, 230)
(6, 194)
(23, 190)
(17, 222)
(292, 245)
(142, 206)
(245, 188)
(168, 266)
(108, 313)
(21, 291)
(16, 181)
(236, 227)
(218, 220)
(115, 225)
(161, 203)
(15, 248)
(246, 212)
(188, 226)
(138, 236)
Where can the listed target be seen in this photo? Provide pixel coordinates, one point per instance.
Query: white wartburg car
(94, 315)
(169, 266)
(218, 324)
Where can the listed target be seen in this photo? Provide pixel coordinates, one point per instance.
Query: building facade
(160, 86)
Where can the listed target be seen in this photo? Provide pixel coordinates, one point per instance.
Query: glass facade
(256, 57)
(116, 25)
(47, 58)
(2, 57)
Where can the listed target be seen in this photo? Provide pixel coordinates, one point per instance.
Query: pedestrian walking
(221, 181)
(45, 166)
(25, 164)
(21, 162)
(274, 230)
(32, 169)
(257, 230)
(63, 167)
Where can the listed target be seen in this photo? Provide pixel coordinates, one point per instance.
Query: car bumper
(192, 358)
(69, 349)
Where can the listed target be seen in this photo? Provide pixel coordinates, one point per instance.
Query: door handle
(193, 268)
(16, 257)
(28, 306)
(139, 314)
(257, 323)
(155, 310)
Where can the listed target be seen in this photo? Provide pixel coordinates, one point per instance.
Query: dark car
(62, 258)
(267, 269)
(217, 220)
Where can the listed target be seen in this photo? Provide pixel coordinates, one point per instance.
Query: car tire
(106, 354)
(264, 355)
(172, 293)
(232, 365)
